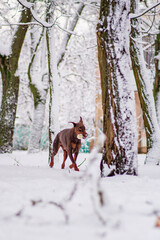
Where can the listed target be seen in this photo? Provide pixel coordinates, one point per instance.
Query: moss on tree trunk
(136, 58)
(10, 85)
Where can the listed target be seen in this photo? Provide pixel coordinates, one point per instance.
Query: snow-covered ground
(37, 202)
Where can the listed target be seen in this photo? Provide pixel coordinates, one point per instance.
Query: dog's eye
(80, 129)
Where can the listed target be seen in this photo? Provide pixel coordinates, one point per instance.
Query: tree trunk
(10, 84)
(145, 92)
(119, 154)
(37, 126)
(53, 84)
(53, 90)
(156, 89)
(39, 96)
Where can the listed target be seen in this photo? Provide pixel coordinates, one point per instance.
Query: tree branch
(134, 16)
(69, 33)
(30, 6)
(20, 24)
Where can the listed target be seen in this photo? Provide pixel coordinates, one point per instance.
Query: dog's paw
(51, 164)
(71, 166)
(74, 166)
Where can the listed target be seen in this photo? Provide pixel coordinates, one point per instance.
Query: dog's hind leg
(56, 146)
(65, 157)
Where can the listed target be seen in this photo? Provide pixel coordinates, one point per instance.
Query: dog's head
(80, 129)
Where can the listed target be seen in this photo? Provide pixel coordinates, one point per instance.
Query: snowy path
(30, 190)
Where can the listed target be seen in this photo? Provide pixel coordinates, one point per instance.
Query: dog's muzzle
(85, 135)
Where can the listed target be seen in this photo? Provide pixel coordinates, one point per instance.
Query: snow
(4, 49)
(38, 202)
(157, 57)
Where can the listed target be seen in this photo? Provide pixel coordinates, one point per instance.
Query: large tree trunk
(145, 91)
(119, 154)
(10, 85)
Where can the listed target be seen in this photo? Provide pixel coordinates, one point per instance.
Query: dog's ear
(81, 119)
(74, 124)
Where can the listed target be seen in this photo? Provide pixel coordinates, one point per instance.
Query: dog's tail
(56, 145)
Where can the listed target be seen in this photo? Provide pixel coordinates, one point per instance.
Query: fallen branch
(61, 207)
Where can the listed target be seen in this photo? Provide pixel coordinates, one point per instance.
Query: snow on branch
(39, 21)
(30, 6)
(69, 33)
(134, 16)
(18, 24)
(93, 4)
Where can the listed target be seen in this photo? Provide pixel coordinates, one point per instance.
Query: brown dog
(70, 141)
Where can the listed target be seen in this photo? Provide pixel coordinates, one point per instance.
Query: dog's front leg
(76, 154)
(75, 158)
(65, 157)
(73, 161)
(52, 161)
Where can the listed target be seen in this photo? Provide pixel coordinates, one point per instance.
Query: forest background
(52, 54)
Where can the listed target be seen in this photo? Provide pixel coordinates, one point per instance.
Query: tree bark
(39, 95)
(137, 59)
(10, 84)
(145, 91)
(53, 78)
(119, 153)
(145, 88)
(156, 87)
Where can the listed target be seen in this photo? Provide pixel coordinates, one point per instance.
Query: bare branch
(30, 6)
(69, 33)
(134, 16)
(20, 24)
(62, 208)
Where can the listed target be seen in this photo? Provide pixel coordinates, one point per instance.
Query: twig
(61, 207)
(82, 162)
(34, 14)
(134, 16)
